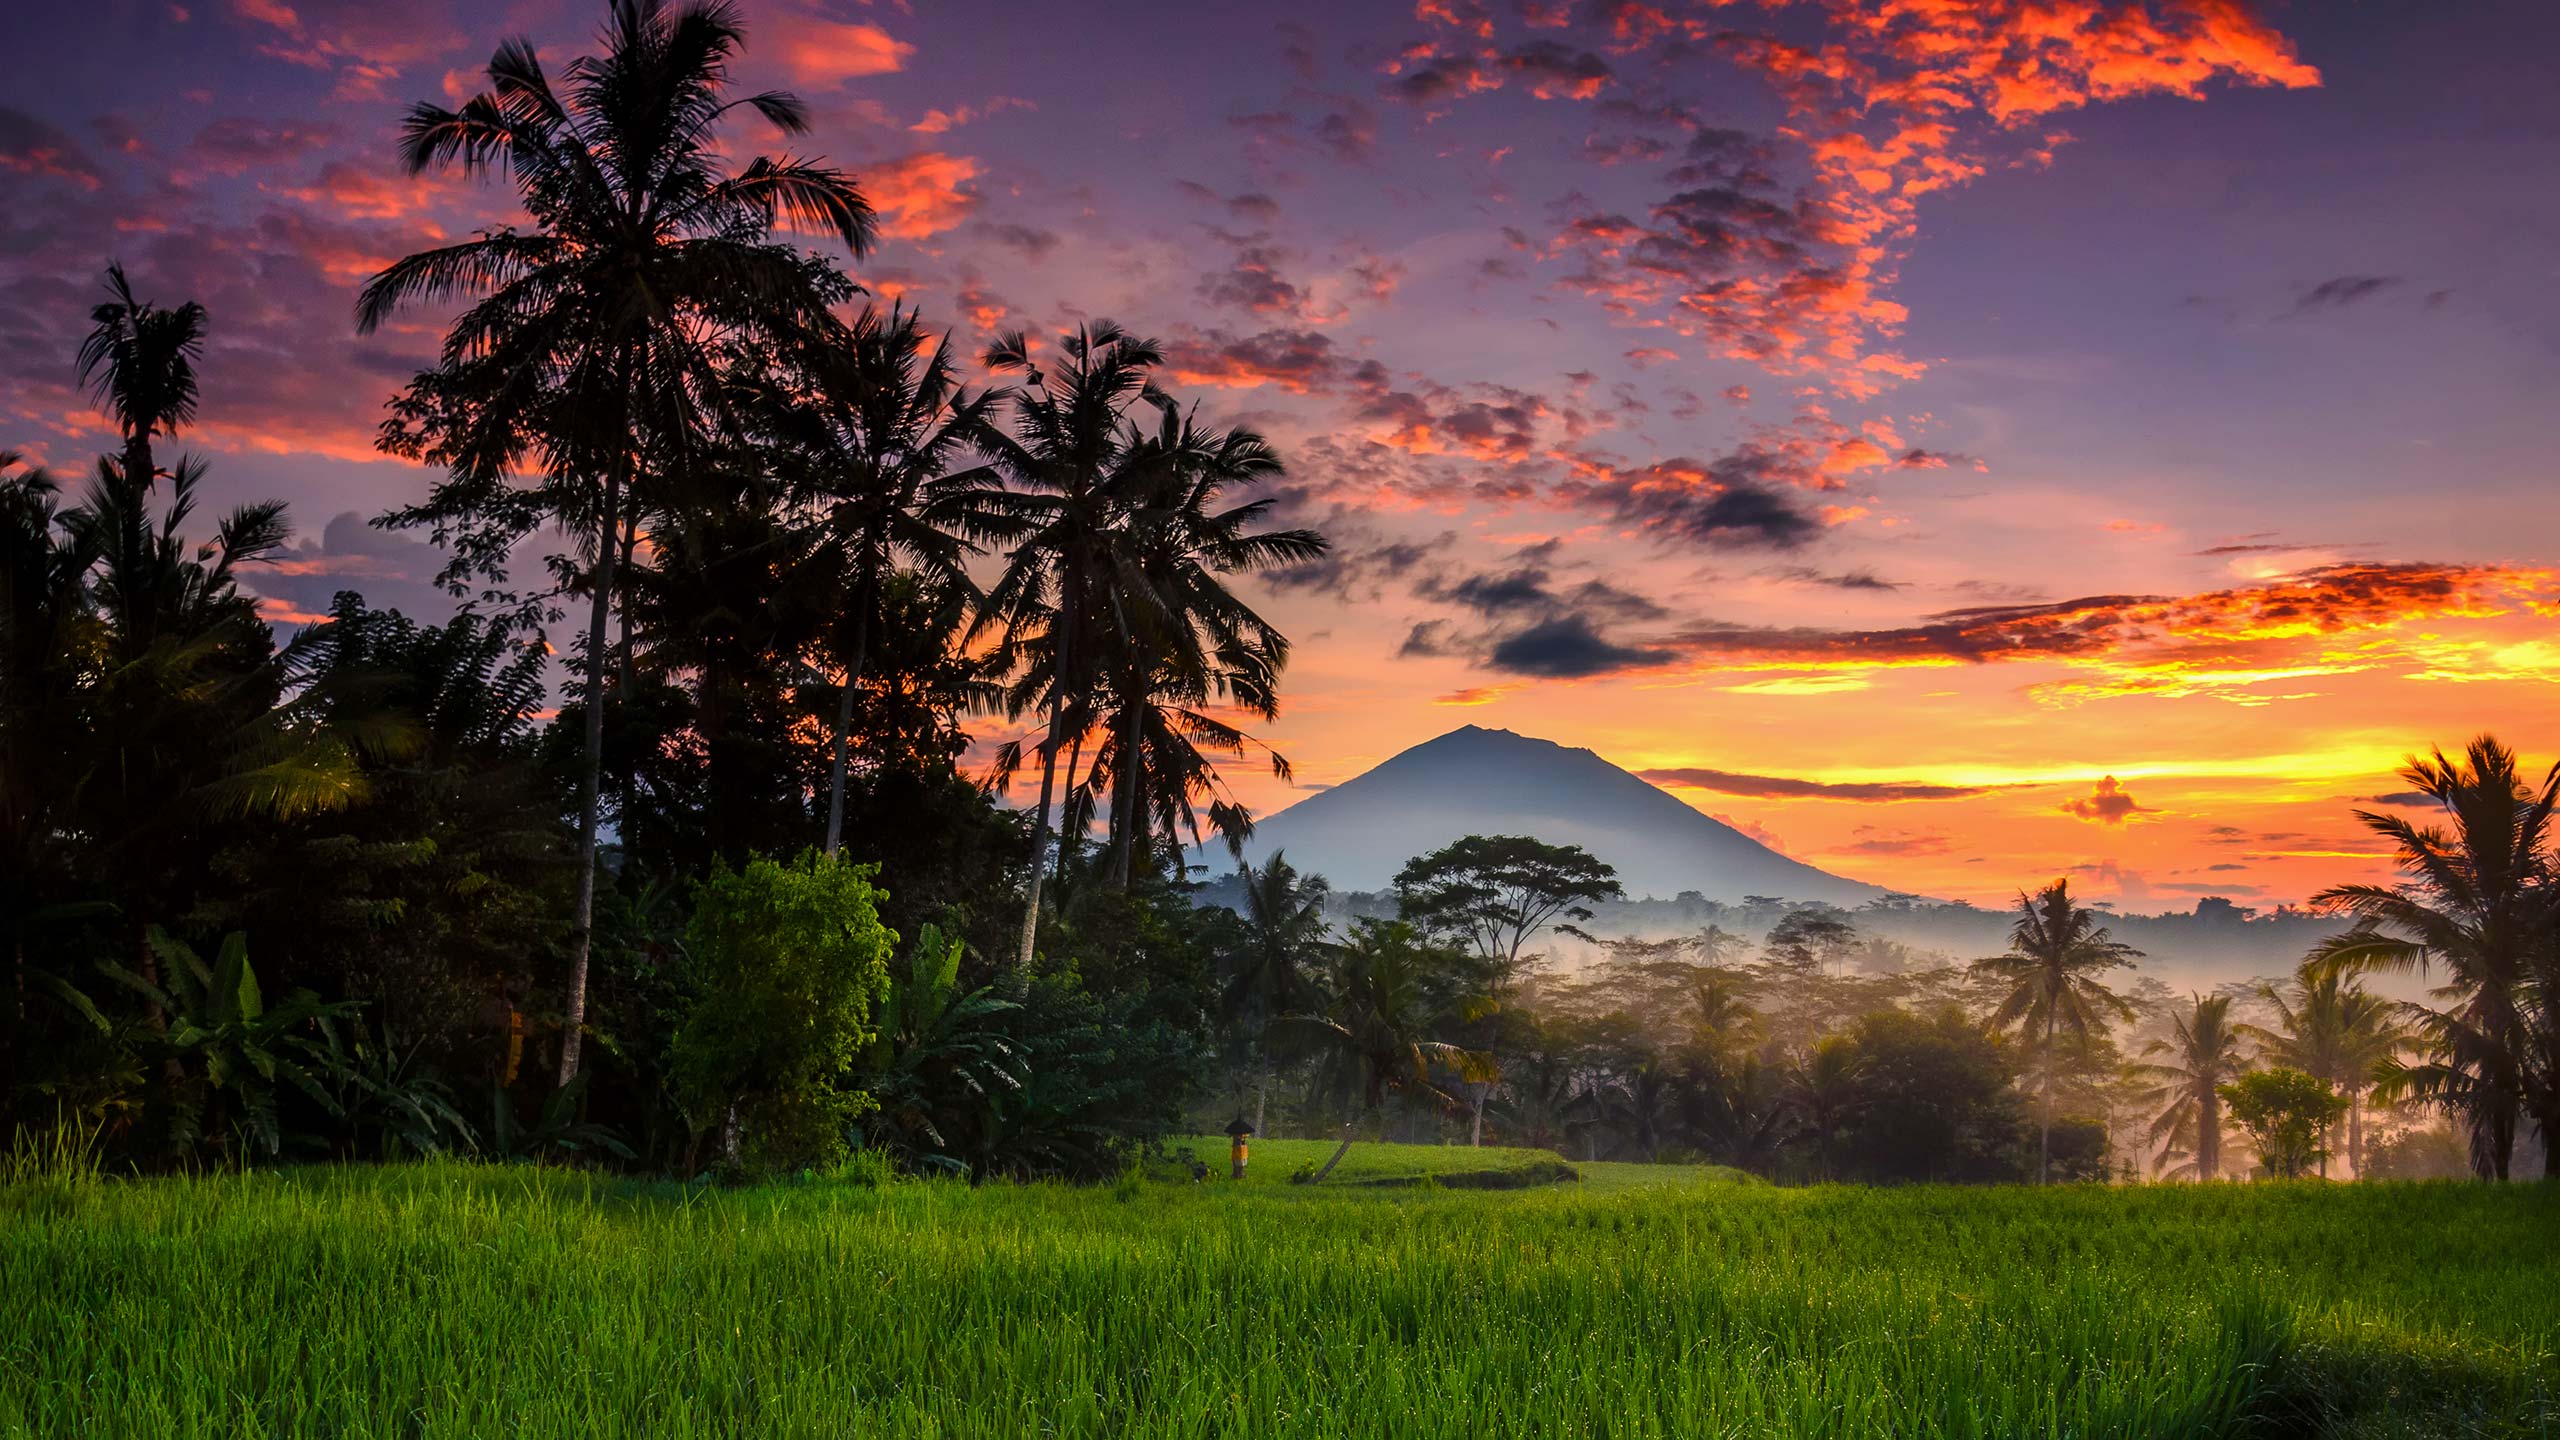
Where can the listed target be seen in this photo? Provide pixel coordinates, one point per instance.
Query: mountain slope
(1475, 781)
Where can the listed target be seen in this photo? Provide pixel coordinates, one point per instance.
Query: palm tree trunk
(2044, 1144)
(1477, 1091)
(625, 685)
(1040, 836)
(1262, 1099)
(1124, 802)
(1075, 767)
(2355, 1135)
(591, 772)
(844, 724)
(2208, 1135)
(1338, 1152)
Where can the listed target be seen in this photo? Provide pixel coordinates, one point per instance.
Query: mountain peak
(1476, 780)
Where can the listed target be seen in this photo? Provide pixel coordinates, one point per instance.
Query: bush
(2286, 1112)
(785, 963)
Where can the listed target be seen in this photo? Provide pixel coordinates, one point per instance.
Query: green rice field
(455, 1300)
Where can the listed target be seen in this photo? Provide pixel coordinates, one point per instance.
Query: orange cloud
(922, 194)
(2108, 803)
(821, 52)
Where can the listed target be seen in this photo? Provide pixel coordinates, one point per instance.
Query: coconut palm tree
(139, 360)
(1271, 972)
(1385, 999)
(2335, 1031)
(1076, 468)
(2476, 902)
(1179, 631)
(2205, 1054)
(1825, 1092)
(595, 332)
(867, 424)
(2057, 950)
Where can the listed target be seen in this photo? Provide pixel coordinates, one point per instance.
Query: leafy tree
(2205, 1055)
(592, 336)
(2286, 1112)
(786, 963)
(1938, 1103)
(2057, 951)
(1496, 894)
(2476, 900)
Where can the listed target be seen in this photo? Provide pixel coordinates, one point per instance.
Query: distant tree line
(1831, 1054)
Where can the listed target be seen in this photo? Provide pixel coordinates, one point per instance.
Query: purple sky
(1733, 388)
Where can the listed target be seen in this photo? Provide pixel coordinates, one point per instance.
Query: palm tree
(2204, 1055)
(2477, 900)
(1157, 758)
(1825, 1093)
(1075, 467)
(1180, 633)
(2056, 952)
(1386, 997)
(595, 332)
(1284, 933)
(2338, 1033)
(868, 423)
(139, 360)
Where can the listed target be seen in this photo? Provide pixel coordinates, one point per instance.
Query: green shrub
(2286, 1112)
(785, 963)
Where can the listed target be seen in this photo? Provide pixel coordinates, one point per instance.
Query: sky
(1959, 442)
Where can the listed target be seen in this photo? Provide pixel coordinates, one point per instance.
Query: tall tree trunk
(1075, 767)
(844, 724)
(1124, 791)
(2355, 1135)
(1262, 1098)
(2044, 1128)
(591, 773)
(624, 687)
(1477, 1092)
(2208, 1135)
(1040, 837)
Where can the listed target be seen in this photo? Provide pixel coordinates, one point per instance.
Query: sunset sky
(1958, 441)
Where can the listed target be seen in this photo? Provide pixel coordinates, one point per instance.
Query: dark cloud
(1568, 647)
(1557, 72)
(1788, 787)
(29, 146)
(2341, 291)
(1029, 241)
(1356, 572)
(2411, 798)
(1727, 502)
(1252, 281)
(1850, 580)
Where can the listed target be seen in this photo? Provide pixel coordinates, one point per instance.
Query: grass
(453, 1300)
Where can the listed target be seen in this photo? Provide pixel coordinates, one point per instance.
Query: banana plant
(935, 1059)
(229, 1049)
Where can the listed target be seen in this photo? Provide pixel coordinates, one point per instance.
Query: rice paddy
(453, 1300)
